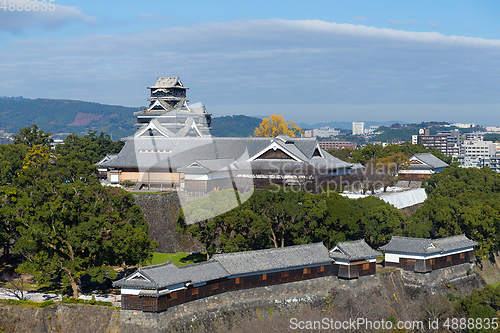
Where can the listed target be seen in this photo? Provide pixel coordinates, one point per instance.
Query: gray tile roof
(175, 153)
(159, 276)
(167, 274)
(282, 258)
(410, 245)
(454, 243)
(431, 160)
(204, 271)
(354, 250)
(427, 246)
(168, 82)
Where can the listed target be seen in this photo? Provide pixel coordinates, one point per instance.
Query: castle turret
(169, 114)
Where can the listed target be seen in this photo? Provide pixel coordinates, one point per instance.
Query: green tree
(31, 136)
(90, 147)
(11, 161)
(69, 230)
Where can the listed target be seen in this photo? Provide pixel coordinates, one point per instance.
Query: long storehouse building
(156, 288)
(159, 287)
(425, 255)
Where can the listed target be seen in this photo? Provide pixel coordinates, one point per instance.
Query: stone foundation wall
(161, 211)
(374, 297)
(59, 318)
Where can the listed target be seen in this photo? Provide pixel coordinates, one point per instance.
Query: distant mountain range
(69, 116)
(66, 116)
(234, 126)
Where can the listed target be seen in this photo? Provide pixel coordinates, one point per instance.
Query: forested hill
(66, 116)
(69, 116)
(235, 126)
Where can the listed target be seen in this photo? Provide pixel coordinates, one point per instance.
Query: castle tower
(169, 114)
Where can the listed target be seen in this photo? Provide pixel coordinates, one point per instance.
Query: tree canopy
(289, 216)
(277, 125)
(55, 213)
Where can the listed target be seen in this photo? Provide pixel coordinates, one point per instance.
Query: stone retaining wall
(161, 211)
(375, 297)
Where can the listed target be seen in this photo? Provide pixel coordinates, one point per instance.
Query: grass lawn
(179, 259)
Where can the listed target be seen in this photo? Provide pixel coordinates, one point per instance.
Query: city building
(358, 128)
(492, 162)
(425, 255)
(336, 144)
(480, 149)
(448, 142)
(492, 129)
(323, 132)
(474, 137)
(460, 125)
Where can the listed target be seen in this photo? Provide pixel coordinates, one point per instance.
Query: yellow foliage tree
(277, 125)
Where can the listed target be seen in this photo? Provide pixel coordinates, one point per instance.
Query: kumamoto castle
(173, 148)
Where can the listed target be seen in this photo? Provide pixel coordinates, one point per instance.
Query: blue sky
(317, 62)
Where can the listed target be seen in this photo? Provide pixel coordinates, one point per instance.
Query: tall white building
(358, 128)
(480, 149)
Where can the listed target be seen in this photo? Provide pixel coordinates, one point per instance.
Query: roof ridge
(200, 263)
(454, 236)
(140, 269)
(416, 238)
(270, 249)
(353, 241)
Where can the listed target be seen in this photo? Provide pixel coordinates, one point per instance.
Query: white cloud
(16, 21)
(275, 62)
(360, 19)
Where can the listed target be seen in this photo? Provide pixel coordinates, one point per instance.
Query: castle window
(195, 291)
(284, 274)
(306, 271)
(264, 277)
(238, 280)
(366, 266)
(462, 255)
(215, 286)
(321, 268)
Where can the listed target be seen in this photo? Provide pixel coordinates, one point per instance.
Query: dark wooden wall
(432, 264)
(356, 270)
(414, 177)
